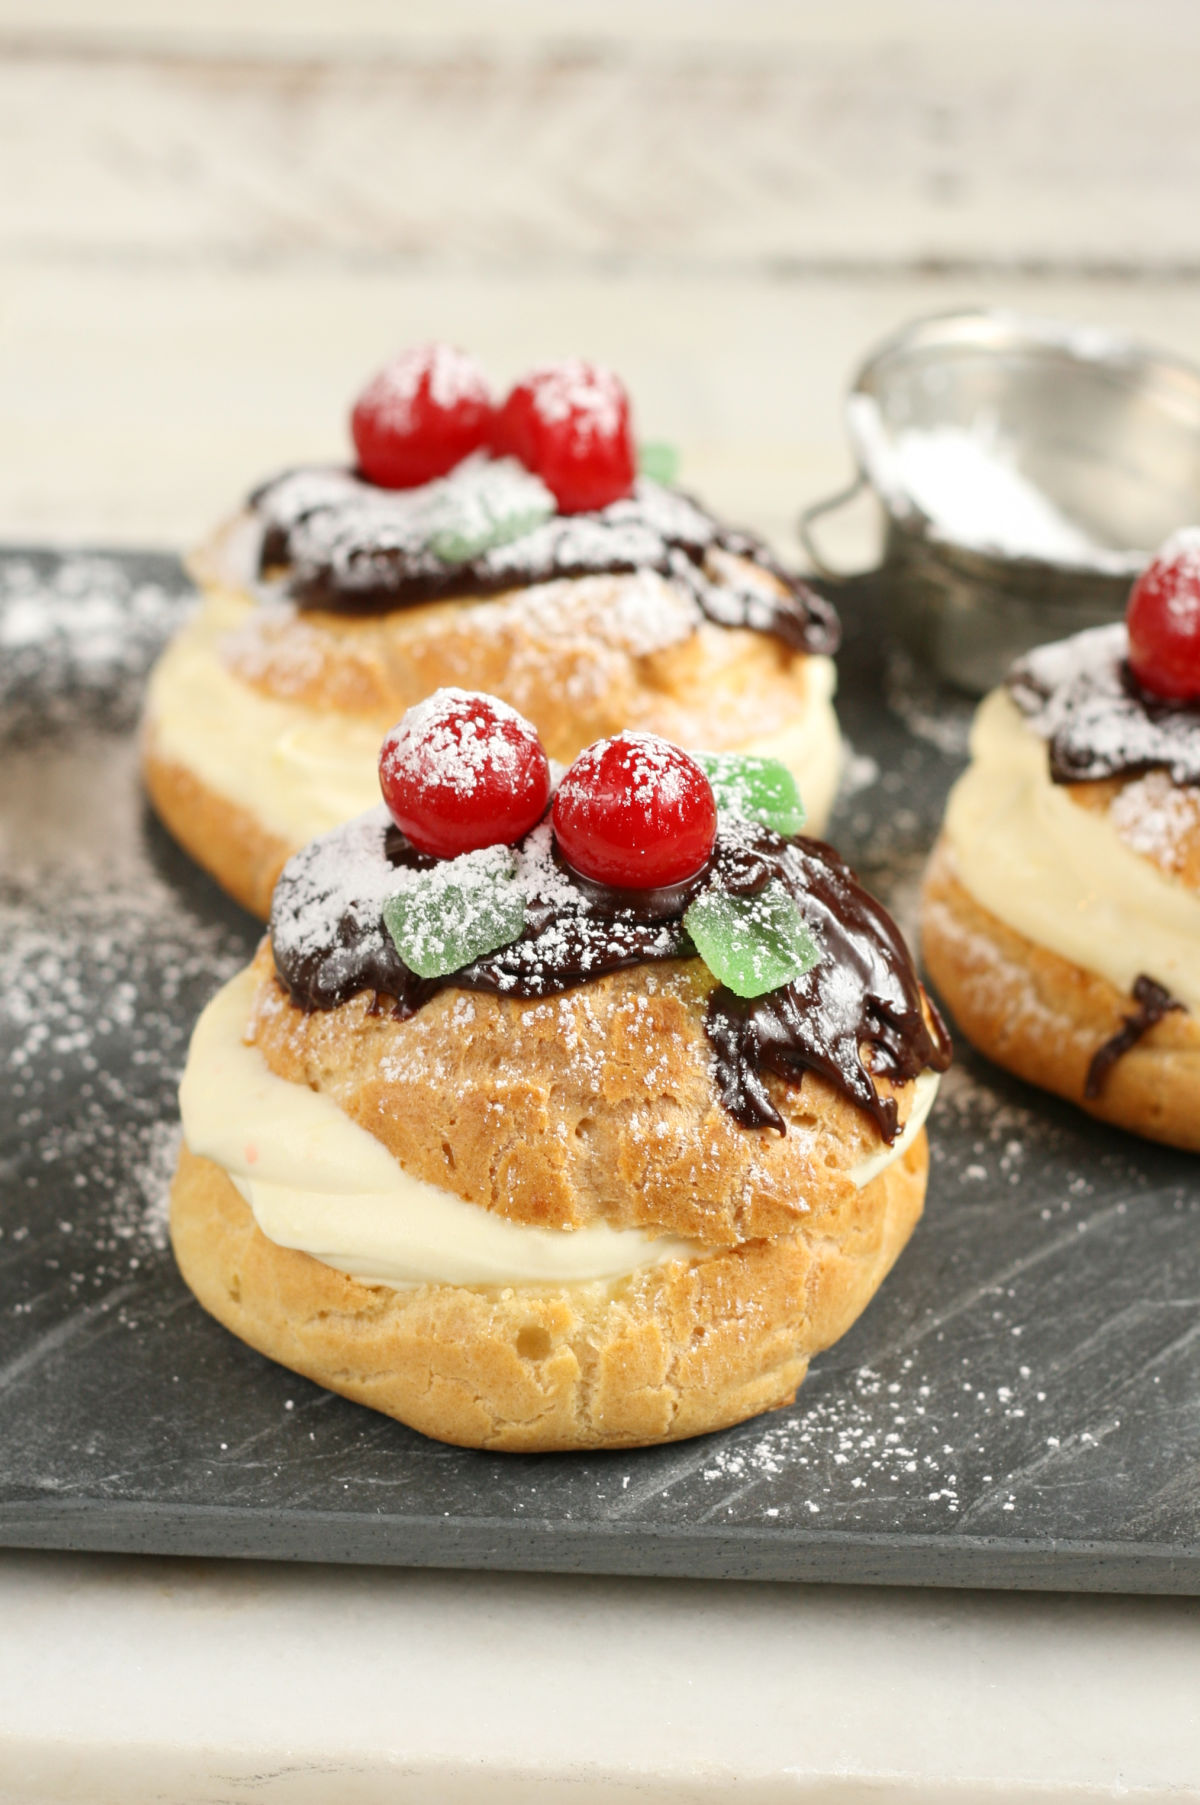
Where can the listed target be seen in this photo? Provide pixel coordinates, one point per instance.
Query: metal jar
(1108, 430)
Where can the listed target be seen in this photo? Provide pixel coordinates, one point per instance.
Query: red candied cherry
(569, 424)
(462, 771)
(1164, 620)
(420, 416)
(636, 812)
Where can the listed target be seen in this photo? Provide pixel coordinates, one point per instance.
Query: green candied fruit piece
(761, 789)
(484, 504)
(752, 944)
(456, 912)
(659, 461)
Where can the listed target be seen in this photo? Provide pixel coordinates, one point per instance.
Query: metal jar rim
(998, 330)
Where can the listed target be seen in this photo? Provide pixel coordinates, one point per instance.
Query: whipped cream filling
(925, 1089)
(810, 747)
(303, 770)
(316, 1181)
(1060, 874)
(299, 770)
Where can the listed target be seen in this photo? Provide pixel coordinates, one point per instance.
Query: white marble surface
(198, 1684)
(215, 218)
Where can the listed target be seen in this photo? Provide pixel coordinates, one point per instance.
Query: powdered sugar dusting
(455, 743)
(346, 876)
(102, 966)
(1022, 1388)
(330, 540)
(969, 1393)
(332, 520)
(152, 1175)
(343, 875)
(1050, 681)
(585, 393)
(915, 697)
(966, 481)
(459, 910)
(1075, 694)
(101, 975)
(1182, 550)
(448, 375)
(650, 769)
(1155, 817)
(76, 631)
(636, 613)
(539, 873)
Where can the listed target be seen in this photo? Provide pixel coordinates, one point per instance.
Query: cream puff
(514, 550)
(558, 1122)
(1061, 909)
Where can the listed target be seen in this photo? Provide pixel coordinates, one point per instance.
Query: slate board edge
(90, 1526)
(53, 1514)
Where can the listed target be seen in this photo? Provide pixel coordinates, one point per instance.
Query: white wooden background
(216, 216)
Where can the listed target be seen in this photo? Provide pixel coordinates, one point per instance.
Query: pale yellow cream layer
(1060, 874)
(299, 770)
(925, 1089)
(303, 770)
(317, 1181)
(811, 747)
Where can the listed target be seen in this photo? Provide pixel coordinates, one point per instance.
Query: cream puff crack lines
(1061, 909)
(531, 1198)
(589, 597)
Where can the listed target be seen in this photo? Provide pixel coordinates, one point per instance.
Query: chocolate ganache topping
(330, 944)
(1080, 696)
(334, 541)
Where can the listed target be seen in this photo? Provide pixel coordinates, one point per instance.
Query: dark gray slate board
(1019, 1407)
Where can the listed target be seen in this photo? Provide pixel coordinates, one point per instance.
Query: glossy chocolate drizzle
(330, 945)
(1152, 1003)
(1081, 697)
(333, 541)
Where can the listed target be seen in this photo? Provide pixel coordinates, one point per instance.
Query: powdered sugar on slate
(102, 974)
(103, 967)
(968, 1403)
(76, 629)
(916, 698)
(99, 984)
